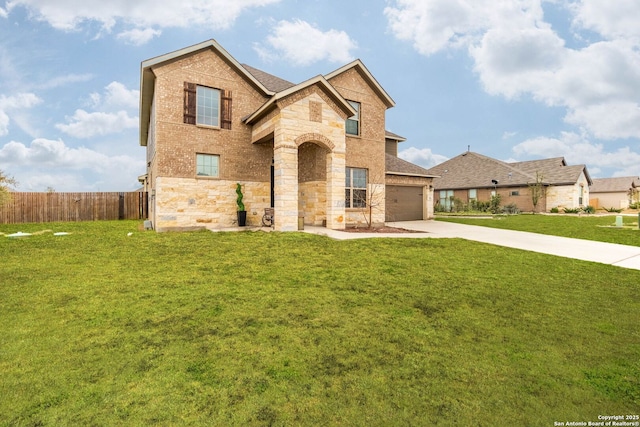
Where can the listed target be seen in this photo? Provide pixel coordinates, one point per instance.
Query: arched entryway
(312, 183)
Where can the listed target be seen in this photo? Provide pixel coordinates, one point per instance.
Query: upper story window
(352, 126)
(207, 106)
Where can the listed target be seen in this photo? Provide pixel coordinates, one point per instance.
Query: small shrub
(589, 209)
(635, 205)
(457, 205)
(511, 209)
(479, 206)
(494, 204)
(613, 210)
(554, 210)
(572, 210)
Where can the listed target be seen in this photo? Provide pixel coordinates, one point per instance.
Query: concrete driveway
(586, 250)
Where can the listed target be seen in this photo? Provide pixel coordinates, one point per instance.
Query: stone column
(428, 191)
(335, 190)
(285, 165)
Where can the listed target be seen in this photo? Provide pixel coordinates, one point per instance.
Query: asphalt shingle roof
(396, 165)
(390, 135)
(473, 170)
(614, 185)
(271, 82)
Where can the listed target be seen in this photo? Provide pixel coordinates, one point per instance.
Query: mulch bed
(379, 230)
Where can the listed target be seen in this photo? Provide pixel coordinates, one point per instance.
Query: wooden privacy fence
(53, 207)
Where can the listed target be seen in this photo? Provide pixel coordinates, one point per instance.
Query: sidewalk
(586, 250)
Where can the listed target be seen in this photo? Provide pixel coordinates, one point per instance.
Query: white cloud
(52, 163)
(138, 37)
(303, 44)
(15, 102)
(423, 157)
(65, 80)
(42, 181)
(116, 95)
(113, 117)
(577, 149)
(610, 19)
(516, 52)
(87, 125)
(511, 63)
(70, 15)
(614, 119)
(46, 152)
(434, 25)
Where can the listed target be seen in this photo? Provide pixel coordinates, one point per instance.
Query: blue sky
(512, 79)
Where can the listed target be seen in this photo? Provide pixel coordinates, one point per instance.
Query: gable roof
(553, 171)
(318, 80)
(396, 166)
(366, 74)
(147, 78)
(269, 85)
(473, 170)
(614, 185)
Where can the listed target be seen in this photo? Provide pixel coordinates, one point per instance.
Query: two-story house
(317, 149)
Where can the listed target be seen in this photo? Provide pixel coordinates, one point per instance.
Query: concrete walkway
(587, 250)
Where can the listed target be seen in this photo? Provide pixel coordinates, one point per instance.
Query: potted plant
(242, 214)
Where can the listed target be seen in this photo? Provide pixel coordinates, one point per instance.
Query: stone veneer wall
(312, 202)
(567, 196)
(306, 116)
(185, 203)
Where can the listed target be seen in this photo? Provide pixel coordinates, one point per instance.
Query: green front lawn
(257, 329)
(588, 227)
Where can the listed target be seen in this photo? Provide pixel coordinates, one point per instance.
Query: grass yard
(589, 227)
(286, 329)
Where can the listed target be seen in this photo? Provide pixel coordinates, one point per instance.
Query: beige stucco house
(317, 149)
(474, 176)
(617, 193)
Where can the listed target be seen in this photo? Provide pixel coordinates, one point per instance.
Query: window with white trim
(352, 126)
(208, 165)
(207, 106)
(355, 188)
(446, 199)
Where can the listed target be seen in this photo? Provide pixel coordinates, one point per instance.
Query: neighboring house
(617, 193)
(474, 176)
(317, 149)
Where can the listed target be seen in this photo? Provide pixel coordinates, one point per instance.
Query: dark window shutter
(225, 111)
(189, 103)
